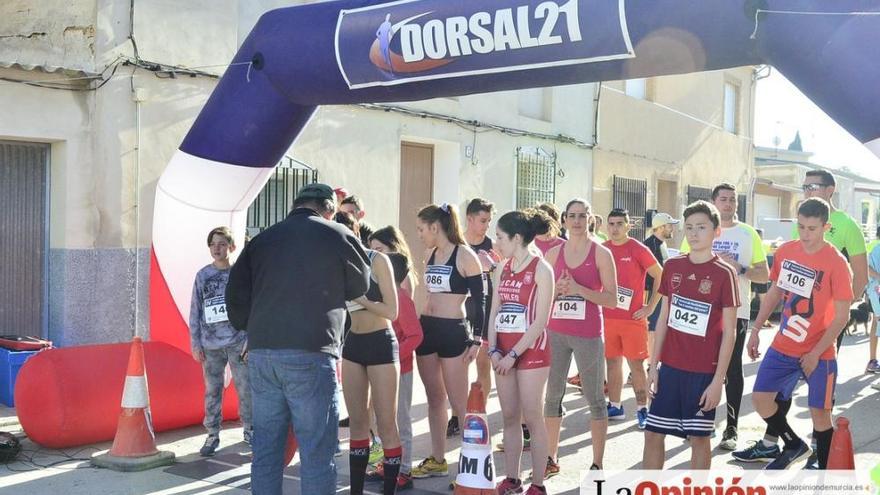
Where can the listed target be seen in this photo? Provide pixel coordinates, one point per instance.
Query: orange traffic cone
(841, 455)
(134, 447)
(476, 472)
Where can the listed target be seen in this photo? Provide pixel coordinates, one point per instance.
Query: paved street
(228, 471)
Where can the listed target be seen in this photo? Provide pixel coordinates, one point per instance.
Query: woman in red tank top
(586, 280)
(518, 348)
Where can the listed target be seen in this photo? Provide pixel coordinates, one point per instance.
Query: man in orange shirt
(815, 283)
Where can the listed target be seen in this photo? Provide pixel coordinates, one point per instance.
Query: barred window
(632, 195)
(535, 177)
(696, 193)
(276, 199)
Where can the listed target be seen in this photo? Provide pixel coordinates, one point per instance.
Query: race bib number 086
(796, 278)
(689, 316)
(437, 278)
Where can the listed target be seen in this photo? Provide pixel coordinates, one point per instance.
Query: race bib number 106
(796, 278)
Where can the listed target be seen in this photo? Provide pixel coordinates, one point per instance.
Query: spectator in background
(288, 291)
(353, 204)
(662, 230)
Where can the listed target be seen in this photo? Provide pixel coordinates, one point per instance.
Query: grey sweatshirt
(209, 326)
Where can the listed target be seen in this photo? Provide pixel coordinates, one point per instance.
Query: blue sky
(781, 110)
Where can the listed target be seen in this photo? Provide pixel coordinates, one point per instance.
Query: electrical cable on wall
(476, 124)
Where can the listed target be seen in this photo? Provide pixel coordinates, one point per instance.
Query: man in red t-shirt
(626, 326)
(693, 342)
(814, 281)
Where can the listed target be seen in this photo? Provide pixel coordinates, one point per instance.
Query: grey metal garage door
(24, 185)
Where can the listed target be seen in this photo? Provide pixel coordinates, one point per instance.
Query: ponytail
(447, 216)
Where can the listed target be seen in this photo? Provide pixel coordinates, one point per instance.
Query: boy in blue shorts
(215, 343)
(814, 282)
(693, 342)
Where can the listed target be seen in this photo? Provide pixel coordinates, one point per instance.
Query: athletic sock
(778, 422)
(771, 436)
(358, 457)
(391, 468)
(615, 404)
(823, 446)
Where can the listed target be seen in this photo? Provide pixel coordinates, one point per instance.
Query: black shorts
(446, 337)
(371, 349)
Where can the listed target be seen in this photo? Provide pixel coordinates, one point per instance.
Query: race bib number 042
(689, 316)
(796, 278)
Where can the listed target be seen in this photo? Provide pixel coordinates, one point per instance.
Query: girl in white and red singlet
(518, 344)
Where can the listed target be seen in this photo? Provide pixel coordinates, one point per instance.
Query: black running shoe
(789, 456)
(452, 428)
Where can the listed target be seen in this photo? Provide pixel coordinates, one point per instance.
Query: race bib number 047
(511, 318)
(689, 316)
(796, 278)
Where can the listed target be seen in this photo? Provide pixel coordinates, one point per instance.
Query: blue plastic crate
(10, 363)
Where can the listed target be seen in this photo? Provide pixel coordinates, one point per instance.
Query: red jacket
(407, 329)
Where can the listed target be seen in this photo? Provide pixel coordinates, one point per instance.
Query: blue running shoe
(789, 456)
(758, 452)
(812, 462)
(616, 413)
(642, 417)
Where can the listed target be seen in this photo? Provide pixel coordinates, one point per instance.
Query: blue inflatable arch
(354, 51)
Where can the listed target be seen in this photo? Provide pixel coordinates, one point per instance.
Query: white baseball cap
(661, 219)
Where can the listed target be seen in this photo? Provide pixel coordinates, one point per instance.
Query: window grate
(696, 193)
(535, 177)
(632, 195)
(276, 199)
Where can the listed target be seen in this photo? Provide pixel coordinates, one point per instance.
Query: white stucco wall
(108, 150)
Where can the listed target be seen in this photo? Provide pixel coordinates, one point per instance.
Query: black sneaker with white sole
(210, 446)
(789, 456)
(452, 427)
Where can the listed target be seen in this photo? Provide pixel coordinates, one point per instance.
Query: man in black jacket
(288, 291)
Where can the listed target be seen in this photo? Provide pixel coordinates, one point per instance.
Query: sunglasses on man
(813, 187)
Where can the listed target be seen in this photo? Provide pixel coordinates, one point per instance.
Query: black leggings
(735, 381)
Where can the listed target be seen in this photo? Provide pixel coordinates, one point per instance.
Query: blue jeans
(290, 386)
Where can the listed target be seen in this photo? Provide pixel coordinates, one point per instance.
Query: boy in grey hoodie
(214, 341)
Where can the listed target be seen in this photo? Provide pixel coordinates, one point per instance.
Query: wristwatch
(743, 270)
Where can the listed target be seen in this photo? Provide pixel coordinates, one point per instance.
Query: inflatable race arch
(355, 51)
(358, 51)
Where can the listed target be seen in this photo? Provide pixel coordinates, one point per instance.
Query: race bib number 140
(215, 310)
